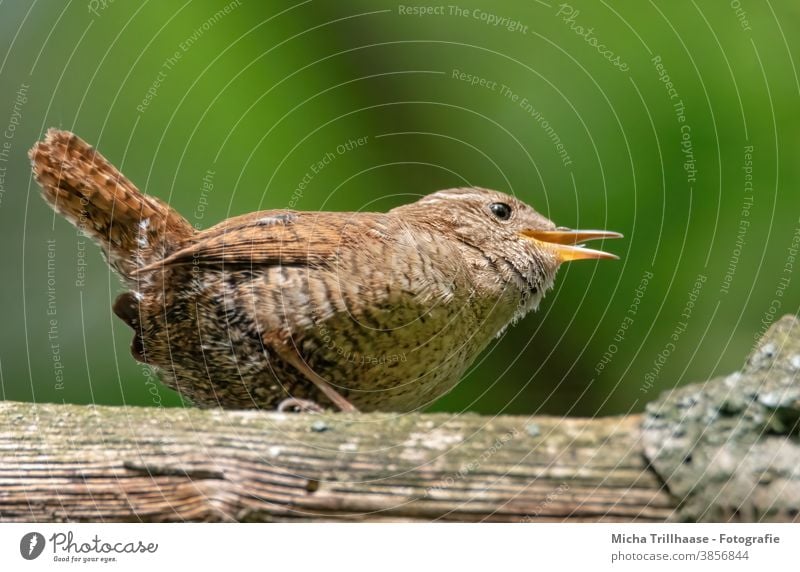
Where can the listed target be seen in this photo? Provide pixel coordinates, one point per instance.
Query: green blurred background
(258, 94)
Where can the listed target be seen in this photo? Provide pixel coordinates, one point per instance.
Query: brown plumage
(372, 310)
(79, 183)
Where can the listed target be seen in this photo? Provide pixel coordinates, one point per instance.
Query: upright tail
(133, 229)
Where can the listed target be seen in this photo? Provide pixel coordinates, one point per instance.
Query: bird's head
(516, 245)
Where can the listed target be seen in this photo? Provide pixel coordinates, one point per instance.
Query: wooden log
(723, 450)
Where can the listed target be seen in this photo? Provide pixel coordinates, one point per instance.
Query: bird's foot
(297, 405)
(294, 358)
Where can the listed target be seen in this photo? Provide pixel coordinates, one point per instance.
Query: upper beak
(567, 243)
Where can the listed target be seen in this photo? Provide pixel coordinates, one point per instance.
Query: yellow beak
(566, 243)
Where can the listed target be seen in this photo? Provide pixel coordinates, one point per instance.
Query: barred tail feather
(133, 229)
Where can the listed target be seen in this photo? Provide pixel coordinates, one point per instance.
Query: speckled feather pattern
(389, 308)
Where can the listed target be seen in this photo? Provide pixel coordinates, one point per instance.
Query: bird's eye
(501, 210)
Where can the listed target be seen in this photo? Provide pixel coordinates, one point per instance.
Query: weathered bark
(723, 450)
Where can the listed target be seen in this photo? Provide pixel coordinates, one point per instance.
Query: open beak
(567, 243)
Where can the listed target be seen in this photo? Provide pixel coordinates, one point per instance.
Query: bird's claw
(298, 406)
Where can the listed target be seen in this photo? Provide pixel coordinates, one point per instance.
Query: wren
(281, 308)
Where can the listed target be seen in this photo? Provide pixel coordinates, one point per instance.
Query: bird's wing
(276, 237)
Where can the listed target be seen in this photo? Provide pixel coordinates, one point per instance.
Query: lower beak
(567, 245)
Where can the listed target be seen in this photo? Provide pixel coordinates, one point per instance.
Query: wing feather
(275, 237)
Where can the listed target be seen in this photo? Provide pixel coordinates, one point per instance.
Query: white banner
(401, 547)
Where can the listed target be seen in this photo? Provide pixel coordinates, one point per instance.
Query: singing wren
(356, 310)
